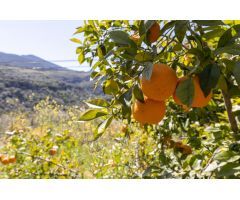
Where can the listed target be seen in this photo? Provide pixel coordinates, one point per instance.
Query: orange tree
(141, 64)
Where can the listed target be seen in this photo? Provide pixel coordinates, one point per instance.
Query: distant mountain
(22, 88)
(27, 61)
(27, 79)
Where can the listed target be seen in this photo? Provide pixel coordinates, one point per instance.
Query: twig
(210, 160)
(163, 49)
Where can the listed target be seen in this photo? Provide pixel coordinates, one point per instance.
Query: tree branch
(231, 118)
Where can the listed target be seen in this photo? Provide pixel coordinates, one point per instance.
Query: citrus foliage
(121, 53)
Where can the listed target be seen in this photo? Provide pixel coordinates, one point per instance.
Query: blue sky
(47, 39)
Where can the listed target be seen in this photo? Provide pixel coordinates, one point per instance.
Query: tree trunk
(231, 118)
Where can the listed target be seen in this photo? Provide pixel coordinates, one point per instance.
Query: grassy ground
(30, 136)
(131, 151)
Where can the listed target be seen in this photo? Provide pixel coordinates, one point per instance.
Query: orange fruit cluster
(158, 89)
(5, 159)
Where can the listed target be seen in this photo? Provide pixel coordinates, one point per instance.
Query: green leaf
(76, 40)
(98, 103)
(126, 97)
(222, 83)
(228, 170)
(138, 94)
(147, 72)
(102, 127)
(92, 114)
(120, 37)
(225, 156)
(110, 87)
(196, 52)
(99, 52)
(91, 22)
(180, 29)
(209, 22)
(132, 50)
(232, 49)
(209, 78)
(125, 100)
(177, 47)
(213, 34)
(185, 91)
(236, 72)
(79, 30)
(143, 57)
(81, 57)
(94, 74)
(228, 35)
(142, 29)
(229, 64)
(234, 91)
(79, 50)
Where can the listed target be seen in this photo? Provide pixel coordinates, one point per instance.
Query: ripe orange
(12, 159)
(162, 83)
(52, 152)
(178, 144)
(135, 37)
(149, 112)
(199, 100)
(5, 160)
(185, 149)
(153, 32)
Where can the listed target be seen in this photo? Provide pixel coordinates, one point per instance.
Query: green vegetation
(30, 138)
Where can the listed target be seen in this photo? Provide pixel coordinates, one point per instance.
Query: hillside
(22, 88)
(27, 61)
